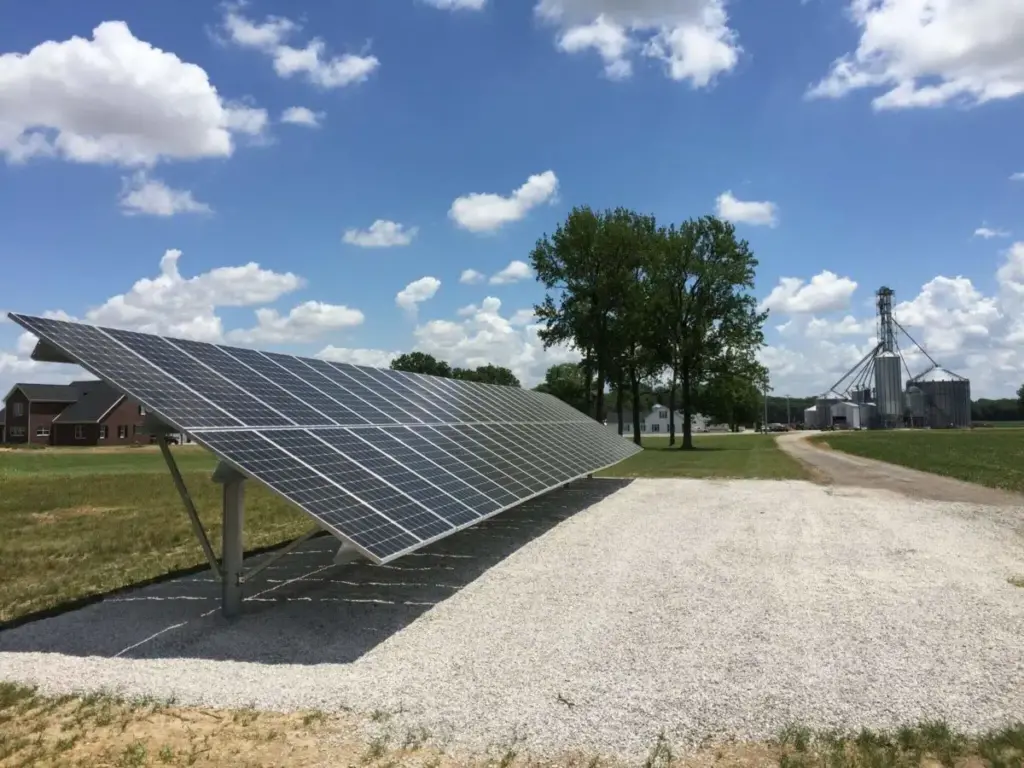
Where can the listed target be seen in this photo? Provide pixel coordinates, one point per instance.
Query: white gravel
(598, 616)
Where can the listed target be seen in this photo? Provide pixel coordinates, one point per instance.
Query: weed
(376, 748)
(1016, 581)
(15, 695)
(245, 717)
(796, 735)
(380, 716)
(134, 755)
(415, 738)
(660, 755)
(166, 754)
(65, 743)
(314, 718)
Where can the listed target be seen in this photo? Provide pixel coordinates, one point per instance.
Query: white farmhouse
(656, 422)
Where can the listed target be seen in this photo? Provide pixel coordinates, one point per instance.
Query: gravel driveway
(598, 616)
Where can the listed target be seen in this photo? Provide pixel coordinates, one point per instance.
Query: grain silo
(946, 398)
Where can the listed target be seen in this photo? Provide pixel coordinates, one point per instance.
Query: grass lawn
(77, 522)
(745, 456)
(992, 457)
(101, 729)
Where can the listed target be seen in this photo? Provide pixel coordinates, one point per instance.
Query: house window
(42, 431)
(17, 431)
(663, 415)
(103, 432)
(18, 409)
(655, 427)
(79, 432)
(122, 432)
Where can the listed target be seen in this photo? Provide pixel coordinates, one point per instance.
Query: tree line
(420, 362)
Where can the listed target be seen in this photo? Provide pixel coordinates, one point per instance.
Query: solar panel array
(387, 460)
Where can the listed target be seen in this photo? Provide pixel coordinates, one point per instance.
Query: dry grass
(103, 730)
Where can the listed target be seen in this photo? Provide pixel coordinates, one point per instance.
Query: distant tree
(1020, 400)
(488, 374)
(420, 362)
(732, 393)
(568, 383)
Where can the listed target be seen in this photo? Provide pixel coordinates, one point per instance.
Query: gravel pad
(594, 618)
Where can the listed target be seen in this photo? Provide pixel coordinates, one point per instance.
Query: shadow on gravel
(302, 609)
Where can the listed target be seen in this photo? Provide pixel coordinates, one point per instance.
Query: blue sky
(165, 133)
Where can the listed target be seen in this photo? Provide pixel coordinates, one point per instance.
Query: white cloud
(746, 212)
(1017, 176)
(988, 233)
(825, 292)
(927, 54)
(691, 38)
(484, 337)
(609, 39)
(186, 307)
(416, 292)
(381, 234)
(471, 277)
(269, 38)
(114, 99)
(302, 116)
(513, 273)
(487, 212)
(976, 335)
(305, 322)
(141, 194)
(375, 358)
(457, 5)
(522, 317)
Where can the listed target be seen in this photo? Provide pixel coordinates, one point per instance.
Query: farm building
(656, 422)
(82, 413)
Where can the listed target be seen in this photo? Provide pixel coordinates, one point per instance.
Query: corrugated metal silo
(946, 398)
(824, 409)
(915, 401)
(889, 388)
(846, 414)
(811, 417)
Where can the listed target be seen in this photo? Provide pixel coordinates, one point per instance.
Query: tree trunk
(687, 425)
(672, 410)
(599, 395)
(588, 383)
(634, 383)
(619, 400)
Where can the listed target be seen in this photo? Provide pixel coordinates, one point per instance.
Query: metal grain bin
(889, 388)
(811, 418)
(946, 398)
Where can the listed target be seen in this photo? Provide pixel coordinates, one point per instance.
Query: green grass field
(992, 457)
(740, 456)
(77, 523)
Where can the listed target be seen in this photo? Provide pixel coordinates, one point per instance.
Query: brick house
(81, 413)
(3, 425)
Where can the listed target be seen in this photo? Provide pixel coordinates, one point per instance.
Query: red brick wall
(126, 414)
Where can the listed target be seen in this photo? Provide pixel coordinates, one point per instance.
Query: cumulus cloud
(484, 336)
(764, 213)
(310, 61)
(381, 234)
(690, 38)
(1017, 176)
(186, 307)
(978, 335)
(471, 277)
(305, 322)
(513, 273)
(480, 212)
(141, 194)
(302, 116)
(416, 292)
(824, 292)
(929, 54)
(115, 99)
(375, 358)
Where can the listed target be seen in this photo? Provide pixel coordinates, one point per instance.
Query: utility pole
(789, 416)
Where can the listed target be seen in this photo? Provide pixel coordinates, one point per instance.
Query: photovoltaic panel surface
(387, 460)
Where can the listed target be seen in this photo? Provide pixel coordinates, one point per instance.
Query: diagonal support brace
(190, 507)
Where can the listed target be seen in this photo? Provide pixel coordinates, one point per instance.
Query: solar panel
(386, 460)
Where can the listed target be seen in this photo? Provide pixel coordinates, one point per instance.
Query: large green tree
(584, 284)
(487, 374)
(568, 383)
(709, 321)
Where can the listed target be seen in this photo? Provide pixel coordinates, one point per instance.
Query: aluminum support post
(232, 548)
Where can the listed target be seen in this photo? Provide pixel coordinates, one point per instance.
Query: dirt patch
(833, 467)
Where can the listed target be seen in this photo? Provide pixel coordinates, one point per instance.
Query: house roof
(48, 393)
(97, 399)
